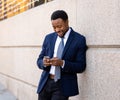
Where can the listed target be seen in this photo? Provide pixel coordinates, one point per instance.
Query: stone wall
(21, 38)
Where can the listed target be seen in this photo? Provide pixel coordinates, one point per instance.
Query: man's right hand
(46, 61)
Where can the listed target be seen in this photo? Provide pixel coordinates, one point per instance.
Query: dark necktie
(59, 55)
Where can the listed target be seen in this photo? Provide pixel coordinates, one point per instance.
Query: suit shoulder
(50, 35)
(80, 36)
(77, 34)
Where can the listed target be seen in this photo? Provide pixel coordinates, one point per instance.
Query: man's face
(60, 26)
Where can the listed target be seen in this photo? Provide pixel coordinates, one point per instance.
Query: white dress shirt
(58, 40)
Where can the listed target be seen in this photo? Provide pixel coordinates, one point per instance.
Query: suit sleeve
(42, 54)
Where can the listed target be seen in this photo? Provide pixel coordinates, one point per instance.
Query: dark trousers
(51, 91)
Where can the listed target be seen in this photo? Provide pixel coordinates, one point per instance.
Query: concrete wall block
(22, 90)
(100, 81)
(21, 38)
(99, 20)
(20, 63)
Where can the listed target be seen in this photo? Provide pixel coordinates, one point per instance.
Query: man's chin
(61, 35)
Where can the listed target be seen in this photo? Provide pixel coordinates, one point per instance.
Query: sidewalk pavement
(5, 94)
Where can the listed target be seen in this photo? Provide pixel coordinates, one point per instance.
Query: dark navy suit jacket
(74, 55)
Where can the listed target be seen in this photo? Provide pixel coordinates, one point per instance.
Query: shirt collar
(67, 33)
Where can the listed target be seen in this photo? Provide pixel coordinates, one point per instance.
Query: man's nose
(57, 30)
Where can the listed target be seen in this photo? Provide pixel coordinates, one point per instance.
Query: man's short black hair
(59, 14)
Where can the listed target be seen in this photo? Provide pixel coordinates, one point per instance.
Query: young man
(63, 55)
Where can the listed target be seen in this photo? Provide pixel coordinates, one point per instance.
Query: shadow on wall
(6, 94)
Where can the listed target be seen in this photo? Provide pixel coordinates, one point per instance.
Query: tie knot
(62, 38)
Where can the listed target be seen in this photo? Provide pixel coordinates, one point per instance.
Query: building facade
(21, 39)
(9, 8)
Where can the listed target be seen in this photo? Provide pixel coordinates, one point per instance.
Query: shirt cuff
(63, 64)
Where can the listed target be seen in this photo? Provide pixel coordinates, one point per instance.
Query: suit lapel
(52, 45)
(70, 38)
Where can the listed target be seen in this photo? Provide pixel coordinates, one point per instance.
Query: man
(59, 76)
